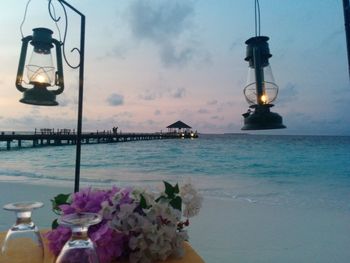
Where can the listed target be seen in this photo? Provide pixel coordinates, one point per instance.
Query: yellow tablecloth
(190, 255)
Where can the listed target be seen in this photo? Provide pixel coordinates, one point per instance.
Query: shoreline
(230, 230)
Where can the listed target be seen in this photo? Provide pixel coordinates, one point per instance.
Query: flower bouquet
(137, 225)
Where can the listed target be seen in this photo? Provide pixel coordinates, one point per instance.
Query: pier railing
(49, 138)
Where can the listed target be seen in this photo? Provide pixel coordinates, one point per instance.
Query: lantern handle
(56, 19)
(59, 73)
(24, 18)
(21, 63)
(257, 18)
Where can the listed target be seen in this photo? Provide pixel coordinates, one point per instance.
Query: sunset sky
(150, 63)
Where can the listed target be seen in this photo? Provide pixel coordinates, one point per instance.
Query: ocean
(302, 180)
(215, 162)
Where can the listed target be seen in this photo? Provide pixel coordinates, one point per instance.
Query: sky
(149, 63)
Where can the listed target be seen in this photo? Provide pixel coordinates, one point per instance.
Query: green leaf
(58, 200)
(176, 203)
(176, 189)
(54, 224)
(143, 203)
(169, 190)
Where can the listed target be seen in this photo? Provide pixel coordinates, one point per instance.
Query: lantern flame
(40, 75)
(264, 98)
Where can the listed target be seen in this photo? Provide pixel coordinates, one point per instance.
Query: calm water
(255, 168)
(268, 199)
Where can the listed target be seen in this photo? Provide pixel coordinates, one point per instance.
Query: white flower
(106, 209)
(149, 196)
(152, 229)
(191, 200)
(126, 219)
(167, 212)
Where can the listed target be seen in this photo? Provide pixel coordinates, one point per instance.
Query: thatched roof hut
(182, 129)
(179, 125)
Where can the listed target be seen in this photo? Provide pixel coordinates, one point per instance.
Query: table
(190, 255)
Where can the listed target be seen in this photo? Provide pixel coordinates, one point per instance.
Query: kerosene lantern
(261, 89)
(40, 71)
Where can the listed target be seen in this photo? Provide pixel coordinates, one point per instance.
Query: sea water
(293, 176)
(214, 162)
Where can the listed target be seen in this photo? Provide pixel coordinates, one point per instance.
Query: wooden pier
(48, 138)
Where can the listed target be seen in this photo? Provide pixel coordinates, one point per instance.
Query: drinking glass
(23, 242)
(79, 248)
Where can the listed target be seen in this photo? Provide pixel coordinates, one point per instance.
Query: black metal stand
(81, 51)
(346, 6)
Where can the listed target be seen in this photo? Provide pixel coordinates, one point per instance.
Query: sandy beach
(232, 230)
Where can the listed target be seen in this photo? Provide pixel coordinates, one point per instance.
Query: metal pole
(346, 7)
(80, 95)
(80, 105)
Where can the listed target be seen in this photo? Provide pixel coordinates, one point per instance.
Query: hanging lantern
(40, 71)
(261, 89)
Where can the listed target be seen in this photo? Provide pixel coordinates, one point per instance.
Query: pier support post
(8, 145)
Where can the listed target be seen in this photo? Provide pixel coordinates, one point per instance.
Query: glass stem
(80, 233)
(24, 217)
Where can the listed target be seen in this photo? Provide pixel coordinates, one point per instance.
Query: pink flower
(110, 244)
(57, 238)
(88, 200)
(136, 224)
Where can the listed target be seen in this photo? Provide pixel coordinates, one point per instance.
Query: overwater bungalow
(182, 129)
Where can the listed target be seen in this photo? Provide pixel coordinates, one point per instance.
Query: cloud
(151, 122)
(123, 124)
(203, 111)
(171, 56)
(216, 127)
(287, 94)
(123, 115)
(306, 123)
(216, 117)
(331, 42)
(331, 37)
(115, 99)
(178, 93)
(212, 102)
(223, 106)
(118, 51)
(64, 101)
(237, 44)
(149, 95)
(164, 23)
(341, 95)
(157, 112)
(159, 21)
(30, 122)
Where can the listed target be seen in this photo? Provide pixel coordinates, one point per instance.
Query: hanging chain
(53, 16)
(24, 18)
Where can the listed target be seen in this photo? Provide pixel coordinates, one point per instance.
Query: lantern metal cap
(39, 96)
(259, 42)
(42, 39)
(262, 118)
